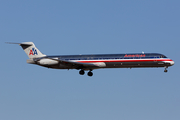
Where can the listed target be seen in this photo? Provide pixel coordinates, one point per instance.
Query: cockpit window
(162, 56)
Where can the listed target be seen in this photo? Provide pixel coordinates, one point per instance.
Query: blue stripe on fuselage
(110, 56)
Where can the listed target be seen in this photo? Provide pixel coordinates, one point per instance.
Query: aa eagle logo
(33, 52)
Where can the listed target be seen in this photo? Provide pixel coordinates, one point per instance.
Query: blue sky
(61, 27)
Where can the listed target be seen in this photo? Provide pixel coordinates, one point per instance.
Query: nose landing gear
(166, 69)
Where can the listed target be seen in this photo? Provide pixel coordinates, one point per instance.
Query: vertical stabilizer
(31, 50)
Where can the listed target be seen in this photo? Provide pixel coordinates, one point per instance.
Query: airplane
(90, 62)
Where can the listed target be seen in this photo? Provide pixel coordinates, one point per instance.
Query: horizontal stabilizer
(19, 43)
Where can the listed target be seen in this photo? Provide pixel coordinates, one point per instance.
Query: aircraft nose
(172, 62)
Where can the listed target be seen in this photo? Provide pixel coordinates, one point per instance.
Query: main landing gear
(81, 72)
(90, 73)
(166, 69)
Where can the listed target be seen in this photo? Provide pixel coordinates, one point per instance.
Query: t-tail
(30, 49)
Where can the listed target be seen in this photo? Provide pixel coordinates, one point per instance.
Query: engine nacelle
(47, 62)
(30, 61)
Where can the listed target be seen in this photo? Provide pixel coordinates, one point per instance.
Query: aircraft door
(155, 59)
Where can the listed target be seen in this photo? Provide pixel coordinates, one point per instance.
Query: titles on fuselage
(137, 55)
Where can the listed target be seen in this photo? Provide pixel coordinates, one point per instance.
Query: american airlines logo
(33, 52)
(137, 55)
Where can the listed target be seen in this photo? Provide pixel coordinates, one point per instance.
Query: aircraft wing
(79, 65)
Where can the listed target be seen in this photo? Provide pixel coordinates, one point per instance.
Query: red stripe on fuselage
(126, 60)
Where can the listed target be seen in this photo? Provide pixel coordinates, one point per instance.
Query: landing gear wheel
(90, 73)
(165, 69)
(81, 72)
